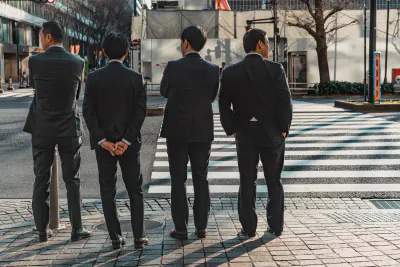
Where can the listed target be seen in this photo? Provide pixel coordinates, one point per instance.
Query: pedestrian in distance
(54, 120)
(221, 69)
(190, 84)
(260, 121)
(114, 119)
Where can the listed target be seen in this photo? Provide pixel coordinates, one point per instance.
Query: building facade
(20, 23)
(160, 31)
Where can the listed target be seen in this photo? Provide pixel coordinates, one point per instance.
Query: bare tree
(109, 16)
(318, 20)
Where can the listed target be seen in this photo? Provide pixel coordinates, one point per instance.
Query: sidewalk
(318, 232)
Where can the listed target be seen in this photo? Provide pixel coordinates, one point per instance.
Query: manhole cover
(386, 204)
(126, 225)
(363, 217)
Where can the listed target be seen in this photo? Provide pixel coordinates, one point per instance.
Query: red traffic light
(50, 1)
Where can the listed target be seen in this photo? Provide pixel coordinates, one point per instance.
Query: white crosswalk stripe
(329, 151)
(16, 94)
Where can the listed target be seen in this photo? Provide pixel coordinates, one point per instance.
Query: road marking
(292, 188)
(310, 145)
(308, 153)
(8, 95)
(305, 162)
(316, 138)
(22, 95)
(293, 174)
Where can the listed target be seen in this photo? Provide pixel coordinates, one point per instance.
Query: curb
(368, 108)
(155, 110)
(337, 96)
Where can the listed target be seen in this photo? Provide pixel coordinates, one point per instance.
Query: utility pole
(387, 41)
(372, 48)
(234, 24)
(275, 9)
(365, 52)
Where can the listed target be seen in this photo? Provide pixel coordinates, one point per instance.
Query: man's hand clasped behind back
(117, 149)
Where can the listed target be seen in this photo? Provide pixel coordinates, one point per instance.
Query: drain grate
(363, 217)
(386, 204)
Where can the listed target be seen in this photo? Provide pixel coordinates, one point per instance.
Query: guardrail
(303, 88)
(153, 89)
(295, 88)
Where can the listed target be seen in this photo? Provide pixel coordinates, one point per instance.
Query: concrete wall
(158, 52)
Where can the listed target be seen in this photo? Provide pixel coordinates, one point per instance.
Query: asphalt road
(368, 131)
(16, 164)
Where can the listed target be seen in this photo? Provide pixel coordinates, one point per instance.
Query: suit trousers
(43, 156)
(129, 163)
(272, 158)
(179, 154)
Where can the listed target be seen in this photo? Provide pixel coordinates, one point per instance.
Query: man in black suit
(221, 69)
(191, 85)
(260, 121)
(54, 119)
(114, 109)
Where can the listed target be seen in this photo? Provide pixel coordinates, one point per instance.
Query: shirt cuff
(126, 141)
(101, 141)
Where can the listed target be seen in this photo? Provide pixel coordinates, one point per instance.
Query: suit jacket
(191, 85)
(114, 106)
(57, 77)
(258, 89)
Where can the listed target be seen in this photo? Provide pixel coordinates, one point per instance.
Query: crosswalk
(329, 153)
(16, 94)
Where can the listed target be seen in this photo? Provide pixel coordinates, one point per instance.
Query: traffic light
(218, 51)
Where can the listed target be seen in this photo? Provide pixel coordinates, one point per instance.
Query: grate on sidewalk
(386, 204)
(363, 217)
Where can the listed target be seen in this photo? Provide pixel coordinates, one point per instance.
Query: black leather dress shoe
(44, 236)
(140, 242)
(78, 234)
(178, 234)
(243, 232)
(116, 244)
(269, 230)
(201, 233)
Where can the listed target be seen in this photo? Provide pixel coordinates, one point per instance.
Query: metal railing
(303, 88)
(354, 4)
(153, 88)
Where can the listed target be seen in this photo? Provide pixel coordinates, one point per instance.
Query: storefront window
(5, 28)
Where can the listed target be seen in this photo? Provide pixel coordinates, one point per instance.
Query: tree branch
(341, 27)
(333, 12)
(304, 27)
(309, 7)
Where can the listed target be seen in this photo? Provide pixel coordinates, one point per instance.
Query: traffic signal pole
(274, 6)
(273, 20)
(372, 48)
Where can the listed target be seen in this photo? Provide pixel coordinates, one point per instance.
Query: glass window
(21, 36)
(5, 27)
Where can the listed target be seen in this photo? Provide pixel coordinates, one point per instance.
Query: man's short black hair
(196, 36)
(115, 45)
(55, 29)
(251, 38)
(223, 63)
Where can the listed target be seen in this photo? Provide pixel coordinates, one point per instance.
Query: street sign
(376, 72)
(135, 44)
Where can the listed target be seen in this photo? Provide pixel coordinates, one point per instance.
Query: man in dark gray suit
(191, 85)
(260, 120)
(53, 119)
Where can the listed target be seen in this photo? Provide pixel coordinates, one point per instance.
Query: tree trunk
(323, 65)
